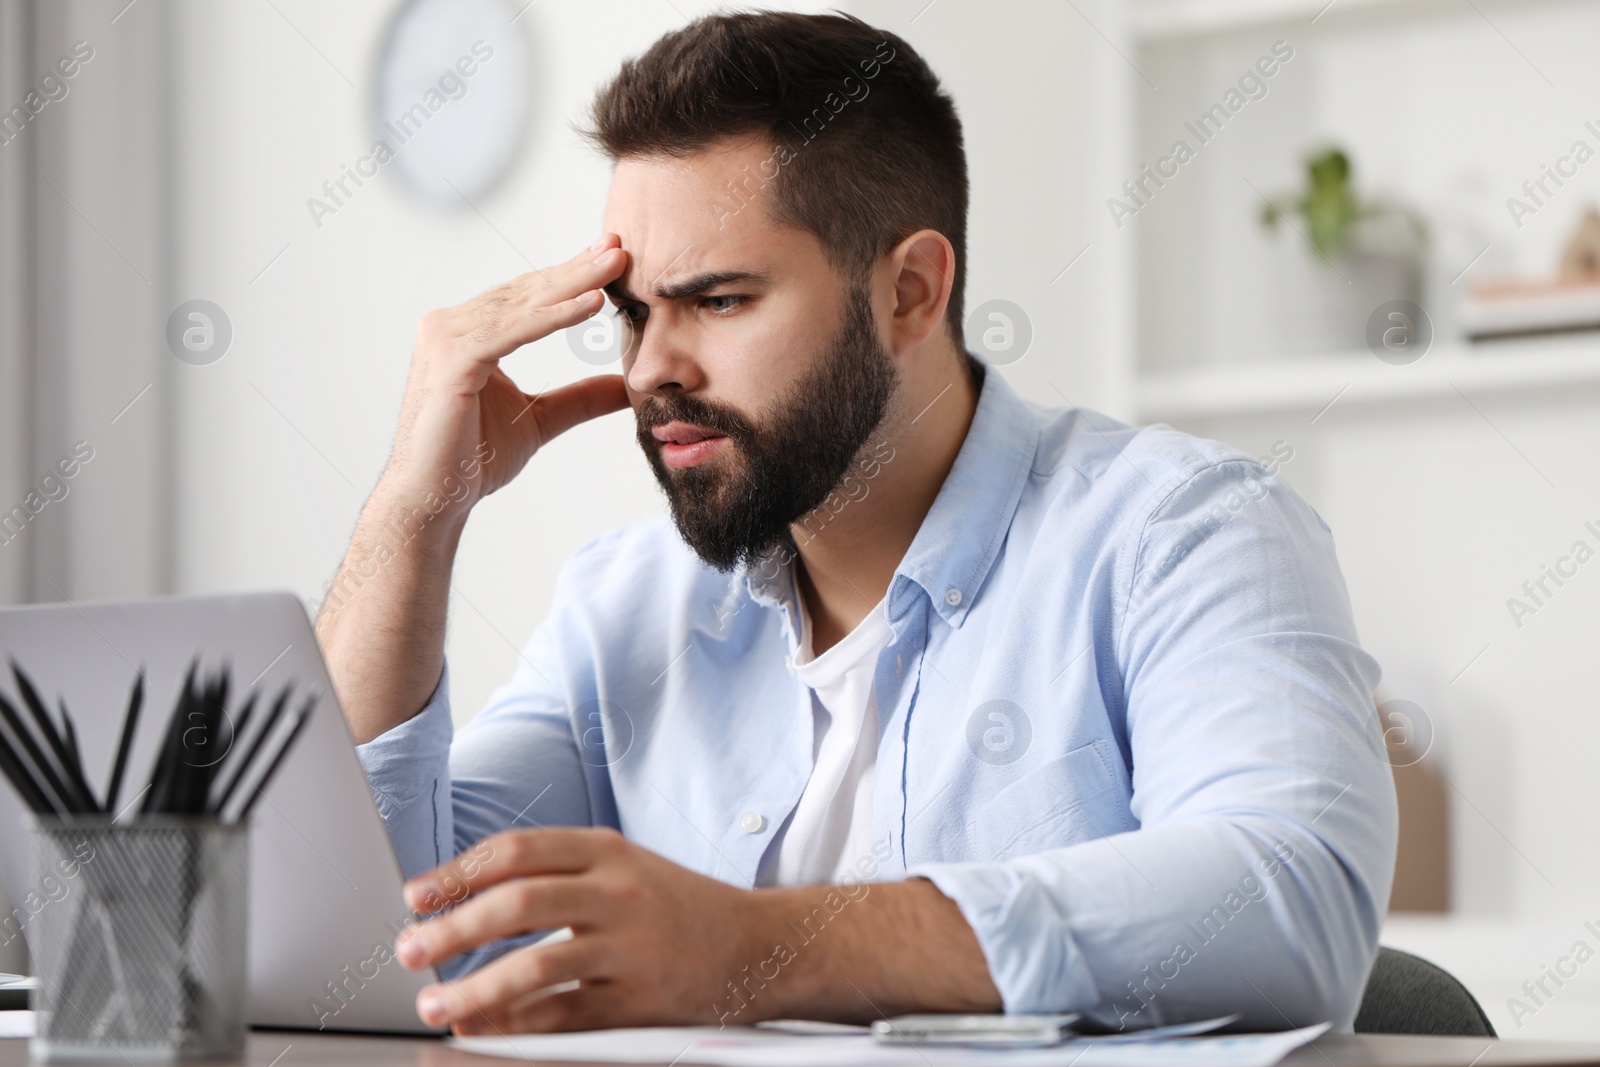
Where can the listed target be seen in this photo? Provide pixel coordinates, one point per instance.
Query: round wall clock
(451, 96)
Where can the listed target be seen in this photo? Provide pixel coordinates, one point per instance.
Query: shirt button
(751, 822)
(788, 661)
(952, 597)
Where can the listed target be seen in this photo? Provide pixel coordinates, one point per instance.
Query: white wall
(1046, 101)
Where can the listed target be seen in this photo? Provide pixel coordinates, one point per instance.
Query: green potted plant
(1370, 250)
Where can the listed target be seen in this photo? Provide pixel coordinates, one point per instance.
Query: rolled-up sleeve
(1260, 870)
(408, 770)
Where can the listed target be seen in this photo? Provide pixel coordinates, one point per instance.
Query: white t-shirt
(830, 832)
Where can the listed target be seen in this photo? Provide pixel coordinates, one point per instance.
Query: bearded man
(925, 697)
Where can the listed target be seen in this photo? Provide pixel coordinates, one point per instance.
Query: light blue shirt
(1123, 722)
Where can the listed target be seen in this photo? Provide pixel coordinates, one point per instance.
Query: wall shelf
(1309, 383)
(1156, 20)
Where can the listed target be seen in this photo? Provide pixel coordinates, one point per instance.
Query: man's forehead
(696, 179)
(688, 216)
(664, 256)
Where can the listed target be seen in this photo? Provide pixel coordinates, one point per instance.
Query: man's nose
(657, 360)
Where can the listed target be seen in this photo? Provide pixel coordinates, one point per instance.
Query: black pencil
(184, 770)
(42, 774)
(277, 759)
(236, 729)
(70, 736)
(186, 767)
(82, 800)
(218, 714)
(200, 770)
(129, 721)
(23, 779)
(156, 788)
(249, 755)
(167, 756)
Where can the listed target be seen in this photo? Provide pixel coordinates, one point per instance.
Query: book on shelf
(1527, 308)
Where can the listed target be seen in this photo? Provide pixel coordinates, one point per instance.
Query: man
(926, 698)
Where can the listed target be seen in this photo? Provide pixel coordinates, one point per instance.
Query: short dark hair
(867, 145)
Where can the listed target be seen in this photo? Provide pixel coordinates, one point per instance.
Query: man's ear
(923, 268)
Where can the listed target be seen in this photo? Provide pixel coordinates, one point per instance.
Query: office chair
(1406, 994)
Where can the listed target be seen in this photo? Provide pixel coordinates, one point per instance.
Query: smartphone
(1007, 1031)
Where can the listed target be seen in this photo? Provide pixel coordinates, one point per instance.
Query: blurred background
(1357, 238)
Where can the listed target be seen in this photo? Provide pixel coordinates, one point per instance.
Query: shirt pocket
(1072, 798)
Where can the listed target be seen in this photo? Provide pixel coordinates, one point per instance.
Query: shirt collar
(958, 541)
(960, 537)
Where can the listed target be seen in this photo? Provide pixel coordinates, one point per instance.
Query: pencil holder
(142, 955)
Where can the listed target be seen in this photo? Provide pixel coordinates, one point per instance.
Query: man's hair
(867, 148)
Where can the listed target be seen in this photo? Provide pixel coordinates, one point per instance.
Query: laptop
(325, 886)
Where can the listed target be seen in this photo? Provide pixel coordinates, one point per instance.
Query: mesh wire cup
(143, 957)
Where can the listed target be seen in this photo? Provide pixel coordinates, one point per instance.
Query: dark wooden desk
(275, 1048)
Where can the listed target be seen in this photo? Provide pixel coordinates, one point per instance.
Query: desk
(286, 1048)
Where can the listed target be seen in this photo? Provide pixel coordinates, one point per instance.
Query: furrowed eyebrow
(701, 283)
(693, 286)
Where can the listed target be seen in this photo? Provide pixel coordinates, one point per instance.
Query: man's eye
(722, 304)
(632, 314)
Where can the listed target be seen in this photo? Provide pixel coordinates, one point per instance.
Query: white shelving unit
(1155, 20)
(1446, 482)
(1207, 290)
(1160, 19)
(1311, 383)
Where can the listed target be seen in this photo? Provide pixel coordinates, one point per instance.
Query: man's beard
(733, 508)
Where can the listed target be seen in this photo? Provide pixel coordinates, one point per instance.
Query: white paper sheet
(812, 1027)
(16, 1024)
(751, 1047)
(1155, 1033)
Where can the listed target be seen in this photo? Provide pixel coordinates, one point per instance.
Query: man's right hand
(465, 430)
(462, 412)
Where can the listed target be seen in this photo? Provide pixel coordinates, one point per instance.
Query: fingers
(511, 854)
(590, 1007)
(489, 331)
(519, 906)
(556, 411)
(500, 320)
(589, 269)
(594, 1005)
(492, 991)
